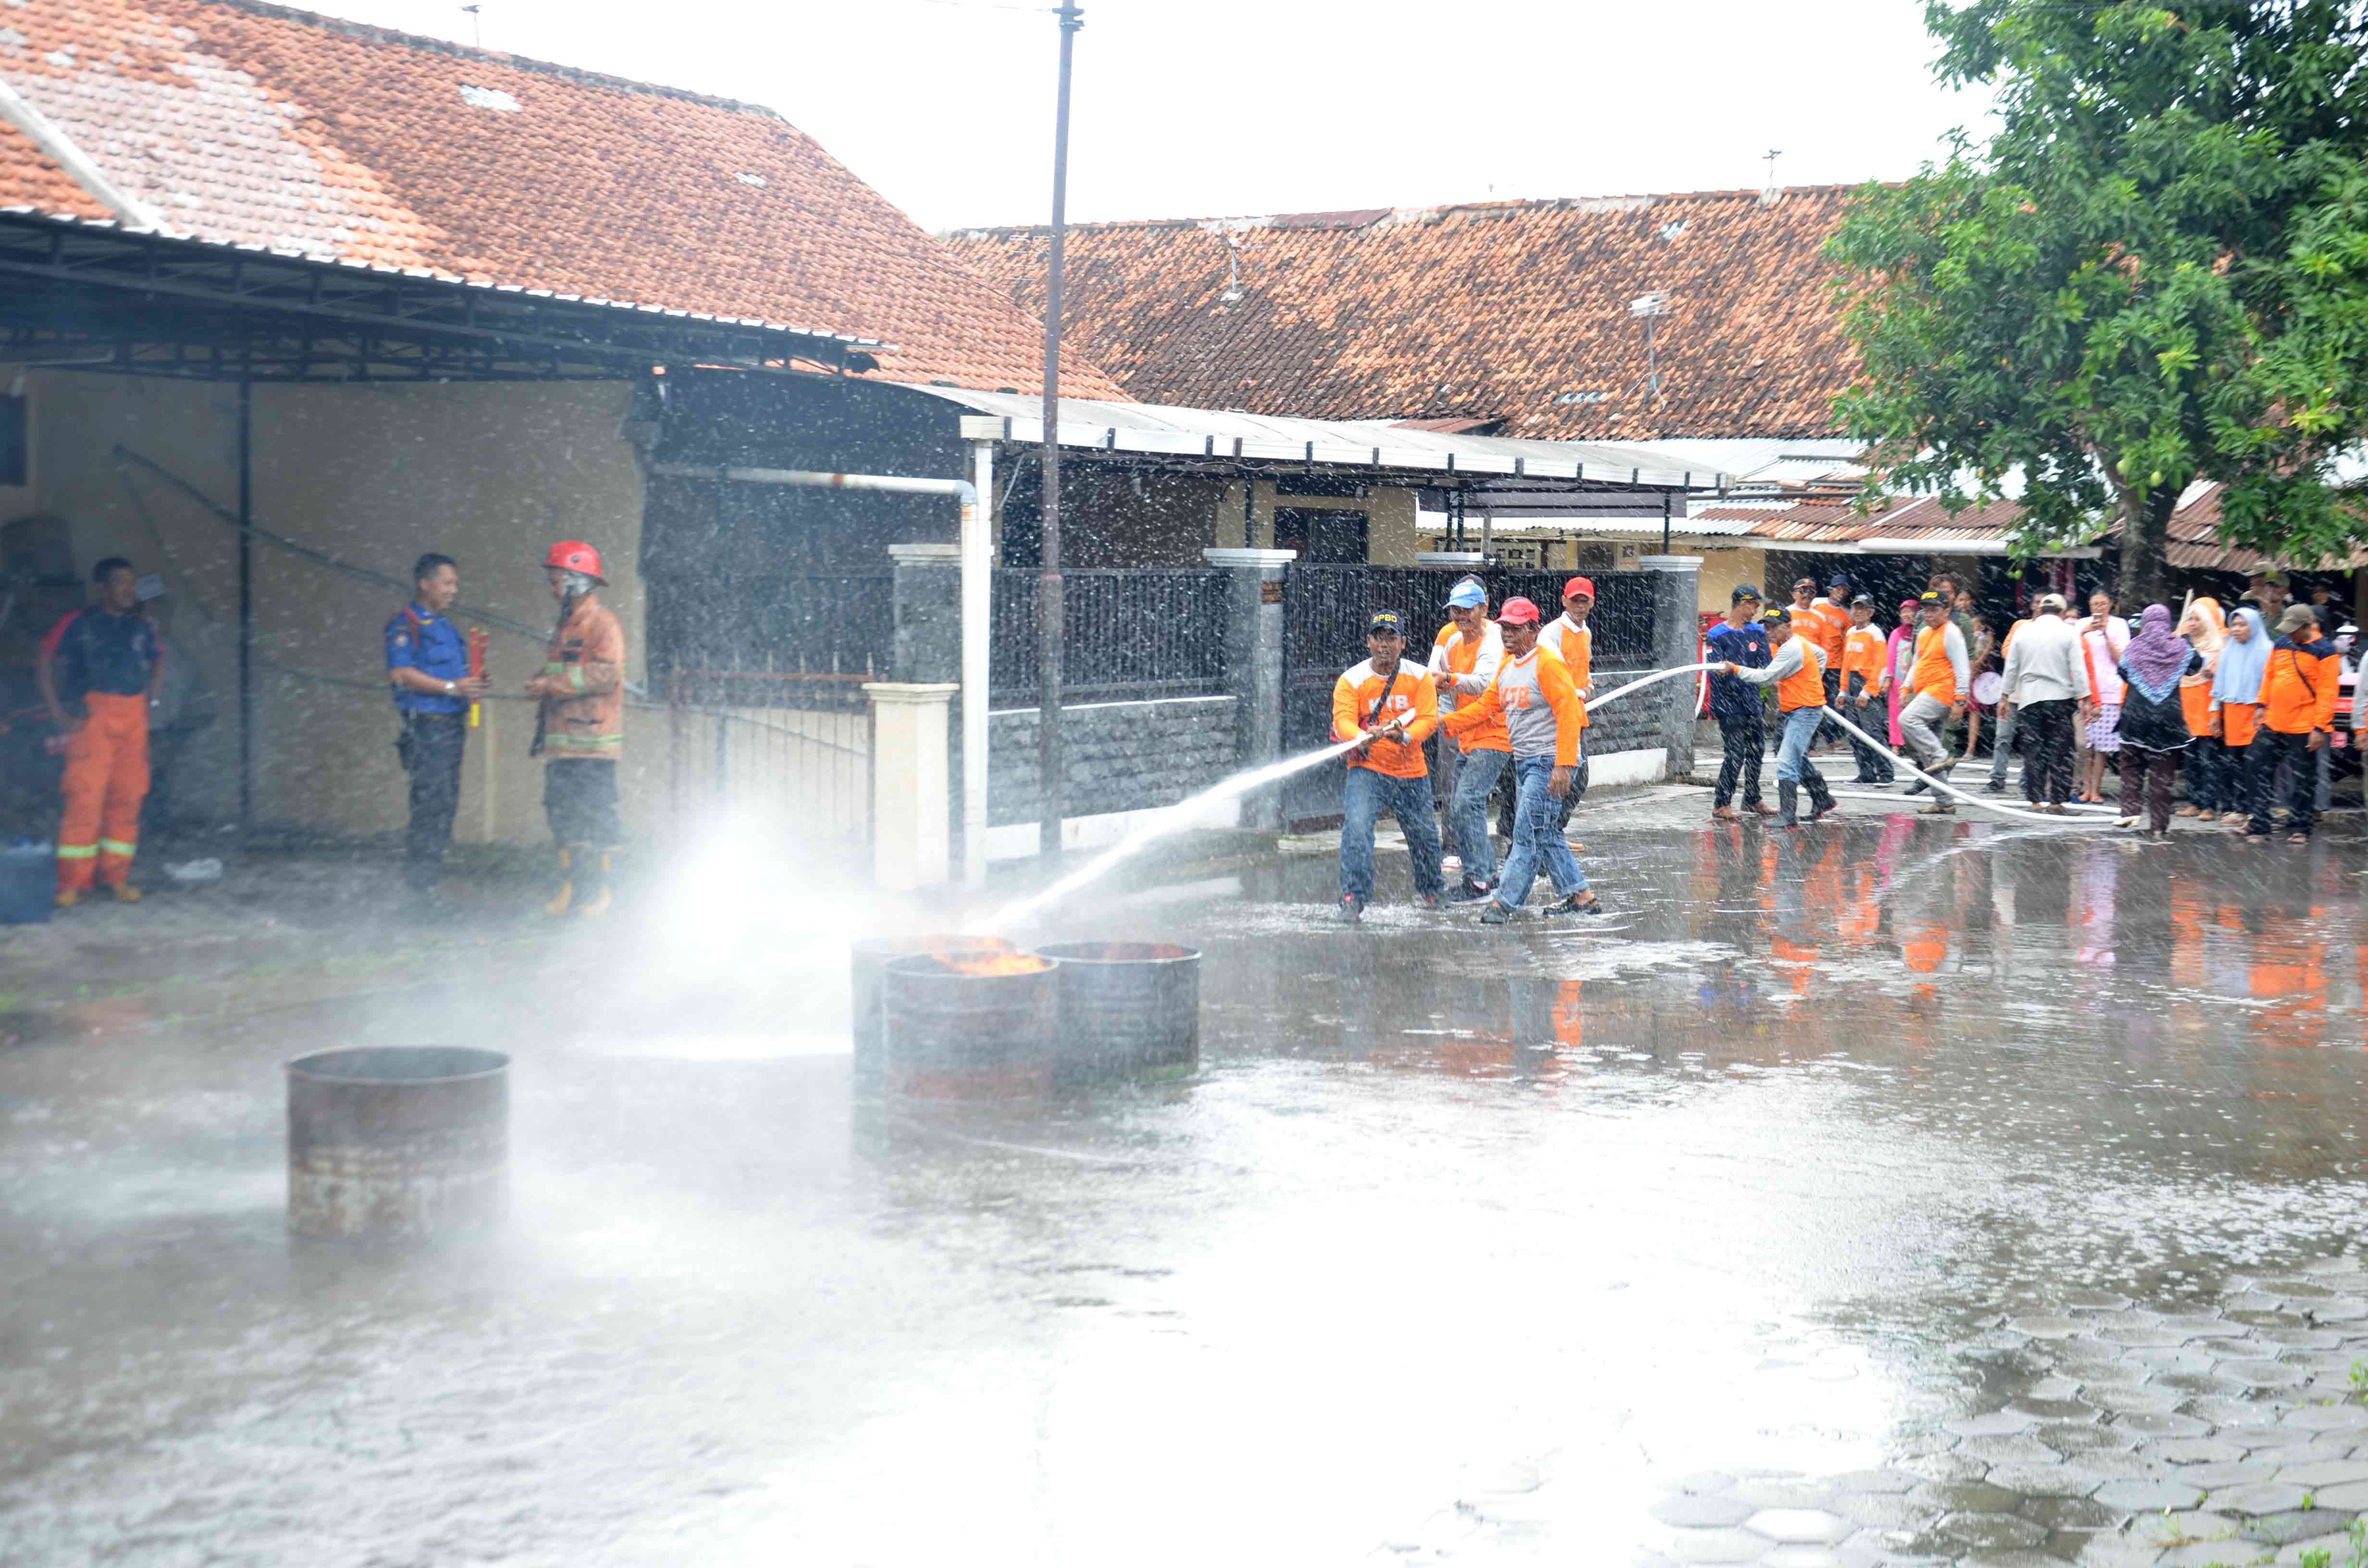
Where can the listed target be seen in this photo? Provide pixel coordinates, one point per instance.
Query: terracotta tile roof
(2194, 544)
(1917, 517)
(1518, 310)
(248, 122)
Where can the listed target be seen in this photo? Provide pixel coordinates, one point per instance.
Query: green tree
(2156, 270)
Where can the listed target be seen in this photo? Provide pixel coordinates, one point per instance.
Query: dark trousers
(1744, 739)
(2147, 779)
(1873, 768)
(431, 746)
(1828, 731)
(2046, 731)
(2205, 763)
(579, 797)
(2270, 751)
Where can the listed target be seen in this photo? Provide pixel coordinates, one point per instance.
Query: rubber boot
(597, 896)
(565, 898)
(1821, 800)
(1788, 800)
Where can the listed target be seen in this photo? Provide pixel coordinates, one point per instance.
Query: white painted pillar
(911, 812)
(977, 605)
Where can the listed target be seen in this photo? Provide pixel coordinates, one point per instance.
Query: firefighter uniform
(582, 732)
(104, 663)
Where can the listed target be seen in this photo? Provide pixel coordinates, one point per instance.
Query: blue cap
(1467, 596)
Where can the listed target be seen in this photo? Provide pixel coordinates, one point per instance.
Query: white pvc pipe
(46, 134)
(978, 590)
(2048, 818)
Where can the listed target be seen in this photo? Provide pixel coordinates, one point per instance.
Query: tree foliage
(2155, 271)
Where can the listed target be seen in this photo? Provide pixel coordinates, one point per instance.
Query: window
(1323, 537)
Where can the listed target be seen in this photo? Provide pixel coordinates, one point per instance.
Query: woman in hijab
(2236, 688)
(2205, 629)
(2153, 728)
(1901, 650)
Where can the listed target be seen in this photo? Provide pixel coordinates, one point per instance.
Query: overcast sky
(1208, 107)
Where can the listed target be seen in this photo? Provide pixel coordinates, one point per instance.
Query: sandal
(1725, 813)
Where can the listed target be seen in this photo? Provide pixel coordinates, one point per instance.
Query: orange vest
(1863, 654)
(1933, 672)
(1804, 687)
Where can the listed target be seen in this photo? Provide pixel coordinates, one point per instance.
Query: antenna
(1647, 308)
(476, 25)
(1768, 191)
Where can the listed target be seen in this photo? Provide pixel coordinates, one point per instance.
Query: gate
(1323, 614)
(784, 759)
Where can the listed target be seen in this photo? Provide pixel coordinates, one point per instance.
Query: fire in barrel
(401, 1142)
(1128, 1009)
(868, 963)
(976, 1025)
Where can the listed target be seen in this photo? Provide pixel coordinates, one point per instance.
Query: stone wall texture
(1119, 757)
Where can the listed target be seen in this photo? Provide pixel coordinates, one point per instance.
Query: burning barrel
(978, 1025)
(398, 1142)
(1127, 1008)
(868, 960)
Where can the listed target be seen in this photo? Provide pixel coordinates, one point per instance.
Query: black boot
(1788, 800)
(1820, 797)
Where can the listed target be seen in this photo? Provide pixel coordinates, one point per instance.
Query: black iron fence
(815, 638)
(786, 754)
(1127, 635)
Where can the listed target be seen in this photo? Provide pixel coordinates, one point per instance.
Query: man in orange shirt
(2297, 716)
(1393, 707)
(1463, 663)
(1866, 668)
(1539, 705)
(1832, 636)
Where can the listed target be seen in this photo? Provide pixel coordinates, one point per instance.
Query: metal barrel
(1128, 1009)
(398, 1142)
(866, 961)
(970, 1027)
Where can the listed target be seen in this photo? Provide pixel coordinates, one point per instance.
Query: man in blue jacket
(1736, 704)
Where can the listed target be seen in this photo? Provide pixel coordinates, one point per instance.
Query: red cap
(1518, 611)
(575, 556)
(1579, 586)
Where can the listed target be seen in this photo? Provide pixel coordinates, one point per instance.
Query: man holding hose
(1798, 671)
(1539, 704)
(1392, 707)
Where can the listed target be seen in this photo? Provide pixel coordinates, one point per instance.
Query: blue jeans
(1476, 773)
(1792, 763)
(1537, 838)
(1368, 794)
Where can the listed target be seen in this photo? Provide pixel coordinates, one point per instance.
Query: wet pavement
(1898, 1191)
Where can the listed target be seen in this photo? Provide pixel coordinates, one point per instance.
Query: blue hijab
(2243, 664)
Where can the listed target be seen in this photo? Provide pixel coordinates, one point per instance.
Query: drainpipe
(44, 133)
(977, 585)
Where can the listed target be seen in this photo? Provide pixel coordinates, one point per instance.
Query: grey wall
(1119, 757)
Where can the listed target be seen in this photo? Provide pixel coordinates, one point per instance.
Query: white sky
(1206, 108)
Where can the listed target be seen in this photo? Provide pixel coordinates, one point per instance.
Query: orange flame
(992, 962)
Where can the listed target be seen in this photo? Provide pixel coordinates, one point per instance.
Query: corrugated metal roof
(1356, 443)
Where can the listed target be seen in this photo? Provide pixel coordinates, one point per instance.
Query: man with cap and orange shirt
(1939, 684)
(1865, 667)
(1798, 672)
(1832, 638)
(100, 671)
(581, 727)
(1393, 705)
(1463, 663)
(1570, 639)
(2297, 718)
(1536, 699)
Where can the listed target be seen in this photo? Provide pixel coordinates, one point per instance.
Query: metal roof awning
(1231, 439)
(105, 299)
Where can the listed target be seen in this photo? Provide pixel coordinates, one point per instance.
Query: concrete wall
(1120, 756)
(1723, 569)
(373, 474)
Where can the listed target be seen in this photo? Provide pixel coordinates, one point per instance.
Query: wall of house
(372, 474)
(1723, 569)
(1119, 757)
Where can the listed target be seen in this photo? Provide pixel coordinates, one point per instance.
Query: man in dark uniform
(428, 666)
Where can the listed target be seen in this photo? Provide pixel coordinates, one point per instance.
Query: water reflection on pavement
(1901, 1191)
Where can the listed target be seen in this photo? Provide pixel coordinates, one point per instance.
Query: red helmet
(575, 556)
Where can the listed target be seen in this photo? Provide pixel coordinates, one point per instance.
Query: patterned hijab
(2205, 629)
(2154, 658)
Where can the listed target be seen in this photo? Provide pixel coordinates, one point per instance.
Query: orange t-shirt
(1359, 696)
(1865, 651)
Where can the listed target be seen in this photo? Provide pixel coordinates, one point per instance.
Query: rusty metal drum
(398, 1142)
(970, 1025)
(1128, 1009)
(867, 963)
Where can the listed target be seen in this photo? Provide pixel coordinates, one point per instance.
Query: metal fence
(817, 637)
(782, 756)
(1127, 635)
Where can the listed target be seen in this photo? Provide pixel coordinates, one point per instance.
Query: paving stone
(1702, 1480)
(2303, 1338)
(2044, 1326)
(1804, 1525)
(2228, 1553)
(2320, 1268)
(2194, 1322)
(2270, 1320)
(1967, 1498)
(2086, 1439)
(1805, 1557)
(2162, 1424)
(2132, 1398)
(2046, 1480)
(2020, 1448)
(2299, 1524)
(2225, 1413)
(1998, 1423)
(1695, 1509)
(2339, 1309)
(2196, 1451)
(2325, 1473)
(2112, 1551)
(1788, 1491)
(2252, 1302)
(2097, 1302)
(1716, 1546)
(1944, 1466)
(2182, 1358)
(2140, 1494)
(2337, 1546)
(1885, 1479)
(2290, 1287)
(2352, 1495)
(2241, 1472)
(2207, 1385)
(2049, 1387)
(2171, 1529)
(2013, 1559)
(2149, 1336)
(2264, 1374)
(2065, 1514)
(2261, 1497)
(1983, 1532)
(2058, 1409)
(1886, 1510)
(2325, 1418)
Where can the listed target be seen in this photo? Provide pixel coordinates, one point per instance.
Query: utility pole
(1049, 613)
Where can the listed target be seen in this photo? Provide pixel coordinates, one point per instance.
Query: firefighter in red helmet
(581, 728)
